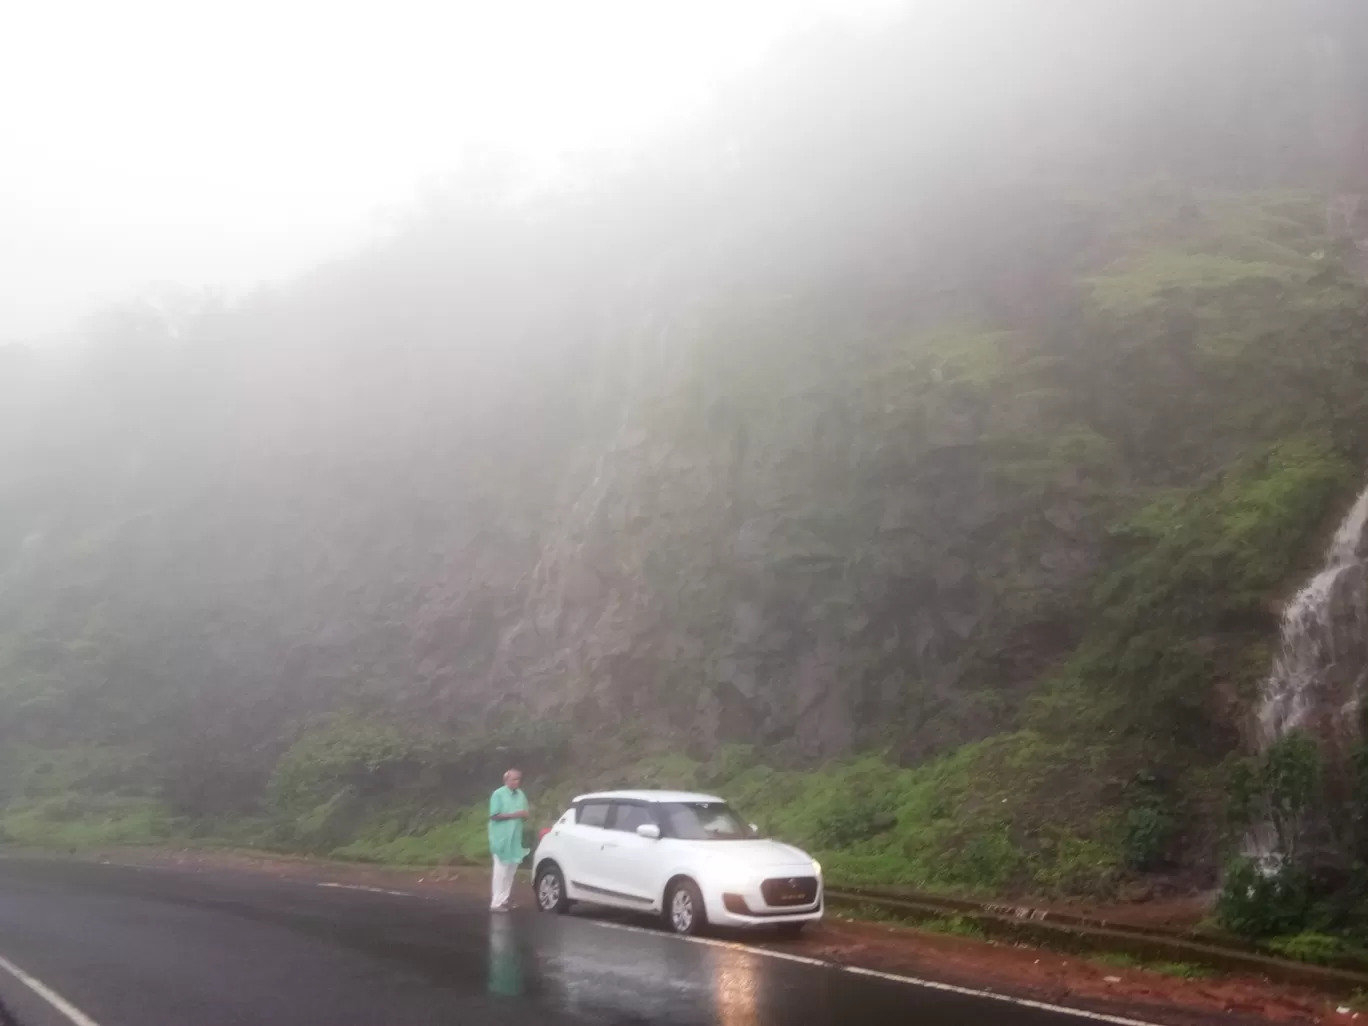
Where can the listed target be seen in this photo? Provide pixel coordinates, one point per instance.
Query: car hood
(759, 852)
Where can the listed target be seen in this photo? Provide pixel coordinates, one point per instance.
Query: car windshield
(706, 821)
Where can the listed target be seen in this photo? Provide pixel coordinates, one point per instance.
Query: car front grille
(781, 891)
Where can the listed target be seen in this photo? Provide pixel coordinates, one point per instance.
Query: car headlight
(731, 877)
(816, 867)
(738, 880)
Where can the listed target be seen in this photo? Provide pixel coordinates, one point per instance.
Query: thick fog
(713, 418)
(155, 142)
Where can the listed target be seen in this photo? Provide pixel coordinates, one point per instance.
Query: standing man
(507, 810)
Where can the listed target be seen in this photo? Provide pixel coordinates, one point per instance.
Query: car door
(581, 848)
(630, 860)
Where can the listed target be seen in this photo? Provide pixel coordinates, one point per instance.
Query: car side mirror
(649, 831)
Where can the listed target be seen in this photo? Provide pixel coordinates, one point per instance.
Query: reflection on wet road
(505, 958)
(160, 948)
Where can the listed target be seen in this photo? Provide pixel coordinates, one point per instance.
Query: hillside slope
(931, 490)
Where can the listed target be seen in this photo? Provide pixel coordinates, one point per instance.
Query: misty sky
(198, 143)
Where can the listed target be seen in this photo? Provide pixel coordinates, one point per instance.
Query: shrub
(1147, 831)
(1255, 904)
(343, 753)
(1291, 775)
(854, 821)
(1307, 946)
(1069, 864)
(986, 861)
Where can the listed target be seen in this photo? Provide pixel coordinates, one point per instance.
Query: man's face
(514, 781)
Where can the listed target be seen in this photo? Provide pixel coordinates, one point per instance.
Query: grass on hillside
(77, 797)
(86, 821)
(1037, 810)
(965, 823)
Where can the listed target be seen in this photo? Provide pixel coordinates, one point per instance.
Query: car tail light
(542, 833)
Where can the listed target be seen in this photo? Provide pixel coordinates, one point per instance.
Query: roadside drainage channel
(962, 905)
(1206, 938)
(1079, 939)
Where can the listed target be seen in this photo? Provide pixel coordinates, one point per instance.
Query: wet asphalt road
(144, 947)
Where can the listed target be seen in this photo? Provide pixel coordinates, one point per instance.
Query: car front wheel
(684, 911)
(551, 889)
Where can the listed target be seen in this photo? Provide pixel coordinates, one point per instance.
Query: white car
(686, 856)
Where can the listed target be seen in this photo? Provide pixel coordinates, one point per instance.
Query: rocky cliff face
(801, 568)
(816, 561)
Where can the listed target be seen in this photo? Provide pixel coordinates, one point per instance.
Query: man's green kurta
(506, 835)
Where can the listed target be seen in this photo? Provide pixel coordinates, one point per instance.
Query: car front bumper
(772, 917)
(742, 903)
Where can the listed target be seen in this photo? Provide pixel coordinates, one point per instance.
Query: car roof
(651, 796)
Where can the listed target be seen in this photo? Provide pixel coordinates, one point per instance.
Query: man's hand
(500, 817)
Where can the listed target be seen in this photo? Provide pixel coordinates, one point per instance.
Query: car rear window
(593, 814)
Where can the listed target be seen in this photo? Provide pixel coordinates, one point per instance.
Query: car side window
(594, 814)
(628, 817)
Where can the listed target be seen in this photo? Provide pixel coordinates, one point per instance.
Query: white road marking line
(1112, 1020)
(363, 887)
(74, 1014)
(1115, 1020)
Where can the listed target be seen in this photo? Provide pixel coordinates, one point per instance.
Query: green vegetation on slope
(1104, 694)
(938, 518)
(1185, 604)
(78, 797)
